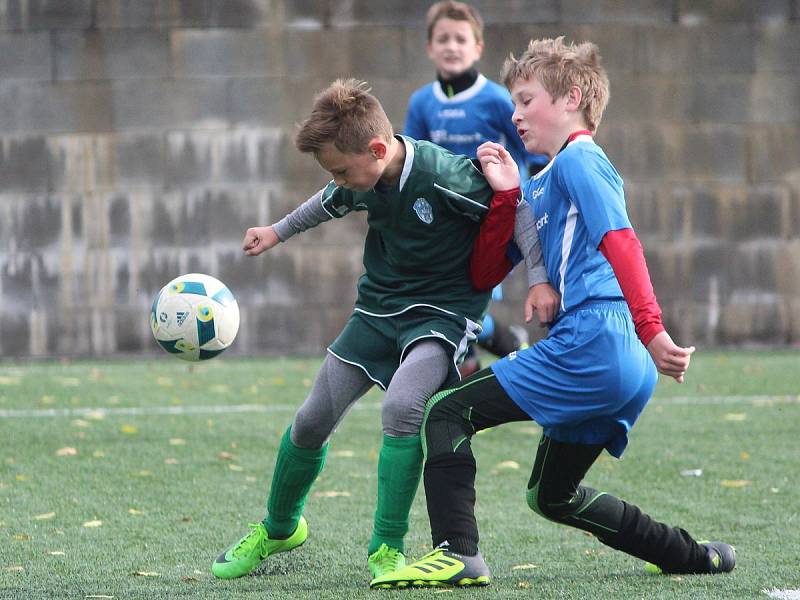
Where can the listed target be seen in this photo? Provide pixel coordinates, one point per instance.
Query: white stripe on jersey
(459, 197)
(408, 163)
(566, 247)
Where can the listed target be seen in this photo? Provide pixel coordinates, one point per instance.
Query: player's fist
(498, 166)
(259, 239)
(670, 358)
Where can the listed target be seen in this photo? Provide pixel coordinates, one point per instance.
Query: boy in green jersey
(415, 313)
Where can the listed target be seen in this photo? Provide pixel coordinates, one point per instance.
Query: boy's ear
(378, 148)
(574, 97)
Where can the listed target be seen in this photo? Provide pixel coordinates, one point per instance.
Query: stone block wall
(140, 138)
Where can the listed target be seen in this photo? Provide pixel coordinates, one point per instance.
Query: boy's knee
(308, 432)
(553, 507)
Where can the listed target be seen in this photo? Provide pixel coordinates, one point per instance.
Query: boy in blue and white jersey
(459, 111)
(589, 380)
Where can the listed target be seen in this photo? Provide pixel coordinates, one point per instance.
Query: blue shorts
(588, 381)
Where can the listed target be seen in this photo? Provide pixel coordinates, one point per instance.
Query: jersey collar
(468, 93)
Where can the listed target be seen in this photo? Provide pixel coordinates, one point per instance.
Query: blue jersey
(461, 123)
(589, 380)
(576, 199)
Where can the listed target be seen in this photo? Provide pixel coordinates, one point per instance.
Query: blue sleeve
(415, 126)
(595, 187)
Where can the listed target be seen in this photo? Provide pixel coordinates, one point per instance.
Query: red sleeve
(624, 252)
(489, 264)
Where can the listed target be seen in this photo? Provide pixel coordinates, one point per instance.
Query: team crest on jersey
(424, 211)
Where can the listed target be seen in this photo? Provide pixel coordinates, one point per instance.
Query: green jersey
(420, 234)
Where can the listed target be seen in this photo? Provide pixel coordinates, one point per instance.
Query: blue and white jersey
(461, 123)
(576, 199)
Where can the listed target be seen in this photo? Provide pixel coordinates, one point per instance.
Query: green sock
(399, 471)
(295, 472)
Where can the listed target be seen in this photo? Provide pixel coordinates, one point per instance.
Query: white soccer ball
(194, 317)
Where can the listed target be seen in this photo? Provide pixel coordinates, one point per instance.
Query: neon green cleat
(721, 559)
(249, 552)
(440, 568)
(385, 560)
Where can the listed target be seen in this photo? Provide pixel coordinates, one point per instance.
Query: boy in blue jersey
(415, 312)
(459, 111)
(589, 380)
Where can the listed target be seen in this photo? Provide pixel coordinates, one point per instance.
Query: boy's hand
(543, 299)
(498, 167)
(670, 358)
(259, 239)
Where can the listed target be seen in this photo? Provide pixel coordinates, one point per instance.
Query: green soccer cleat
(721, 559)
(439, 568)
(249, 552)
(385, 560)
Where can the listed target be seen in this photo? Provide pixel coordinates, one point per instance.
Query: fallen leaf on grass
(343, 453)
(508, 464)
(22, 537)
(45, 516)
(233, 467)
(735, 417)
(94, 523)
(9, 380)
(142, 473)
(15, 568)
(96, 415)
(67, 451)
(735, 483)
(80, 423)
(177, 442)
(331, 494)
(744, 455)
(145, 573)
(135, 511)
(98, 596)
(21, 477)
(171, 461)
(129, 429)
(187, 579)
(525, 566)
(98, 454)
(226, 456)
(164, 381)
(56, 553)
(46, 399)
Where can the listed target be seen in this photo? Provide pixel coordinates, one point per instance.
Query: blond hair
(457, 11)
(559, 66)
(347, 115)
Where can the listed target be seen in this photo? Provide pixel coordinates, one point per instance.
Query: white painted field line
(162, 410)
(705, 400)
(783, 594)
(281, 408)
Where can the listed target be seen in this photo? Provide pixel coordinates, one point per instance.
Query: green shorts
(378, 344)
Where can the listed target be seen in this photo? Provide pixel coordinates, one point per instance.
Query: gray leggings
(339, 384)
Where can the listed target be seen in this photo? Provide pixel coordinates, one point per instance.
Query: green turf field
(126, 479)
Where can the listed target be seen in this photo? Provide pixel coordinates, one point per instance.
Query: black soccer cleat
(721, 557)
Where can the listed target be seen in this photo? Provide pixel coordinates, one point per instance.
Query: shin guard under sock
(296, 469)
(399, 471)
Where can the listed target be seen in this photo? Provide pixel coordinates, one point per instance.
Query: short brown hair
(457, 11)
(559, 66)
(347, 115)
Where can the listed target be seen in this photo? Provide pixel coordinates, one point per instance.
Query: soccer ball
(194, 317)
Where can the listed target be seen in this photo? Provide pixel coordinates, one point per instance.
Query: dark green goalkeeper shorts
(379, 344)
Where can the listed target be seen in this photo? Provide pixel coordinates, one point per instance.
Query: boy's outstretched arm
(624, 253)
(309, 214)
